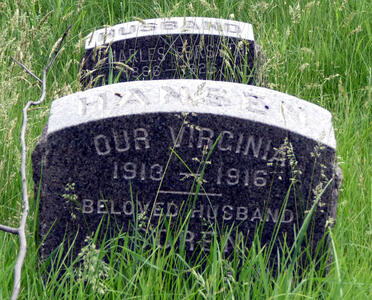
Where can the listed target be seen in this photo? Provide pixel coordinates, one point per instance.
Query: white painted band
(195, 96)
(169, 26)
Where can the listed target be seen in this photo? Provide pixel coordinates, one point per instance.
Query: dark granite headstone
(106, 154)
(172, 48)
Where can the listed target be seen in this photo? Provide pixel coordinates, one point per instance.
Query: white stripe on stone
(194, 96)
(169, 26)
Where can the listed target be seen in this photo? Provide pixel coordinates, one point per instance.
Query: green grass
(320, 51)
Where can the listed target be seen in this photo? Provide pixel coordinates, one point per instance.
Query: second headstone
(171, 48)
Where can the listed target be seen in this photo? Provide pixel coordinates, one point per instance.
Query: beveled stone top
(169, 26)
(194, 96)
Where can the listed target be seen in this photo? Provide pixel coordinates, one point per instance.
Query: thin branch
(27, 70)
(9, 229)
(21, 231)
(57, 50)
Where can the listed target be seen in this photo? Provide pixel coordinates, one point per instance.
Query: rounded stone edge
(195, 96)
(152, 27)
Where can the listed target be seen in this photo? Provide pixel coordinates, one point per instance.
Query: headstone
(233, 155)
(171, 48)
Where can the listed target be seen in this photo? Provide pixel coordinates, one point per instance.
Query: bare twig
(21, 231)
(9, 229)
(27, 70)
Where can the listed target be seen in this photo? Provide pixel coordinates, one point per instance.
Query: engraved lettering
(144, 58)
(172, 209)
(189, 238)
(219, 175)
(211, 52)
(151, 53)
(278, 157)
(158, 209)
(87, 206)
(122, 55)
(191, 137)
(156, 172)
(267, 149)
(146, 71)
(190, 25)
(246, 177)
(147, 26)
(240, 142)
(212, 212)
(168, 25)
(230, 244)
(233, 176)
(115, 175)
(128, 208)
(252, 144)
(82, 106)
(137, 96)
(217, 97)
(101, 143)
(205, 137)
(124, 30)
(142, 208)
(222, 140)
(232, 28)
(133, 55)
(130, 170)
(121, 141)
(106, 35)
(207, 237)
(241, 213)
(227, 214)
(258, 179)
(288, 213)
(143, 171)
(161, 53)
(177, 138)
(171, 94)
(102, 207)
(208, 25)
(141, 135)
(254, 103)
(112, 210)
(198, 211)
(256, 215)
(274, 217)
